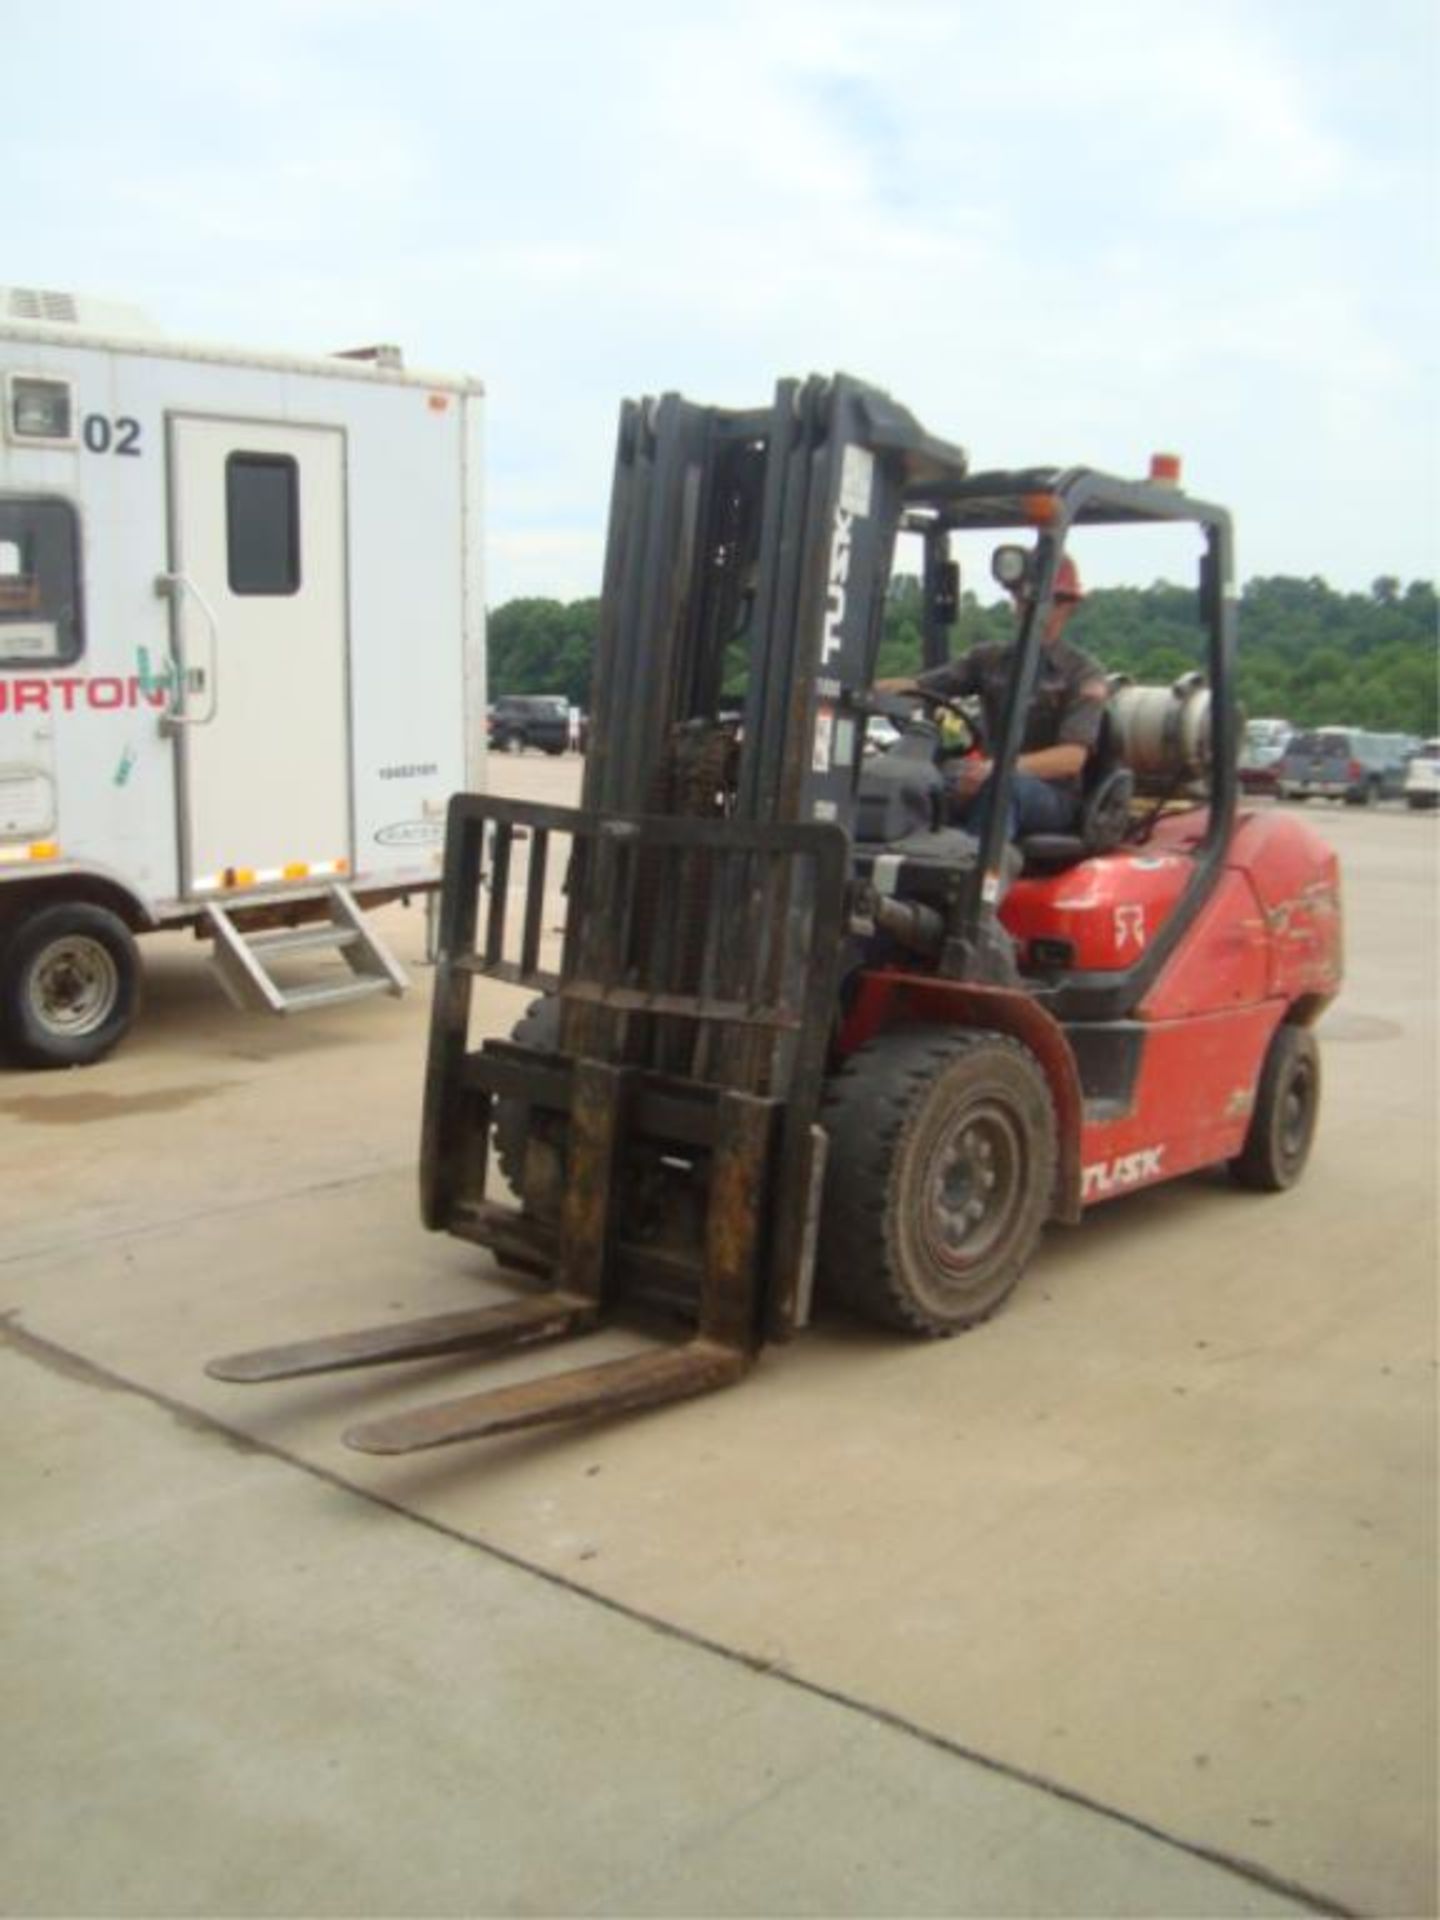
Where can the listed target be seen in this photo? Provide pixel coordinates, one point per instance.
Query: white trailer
(241, 658)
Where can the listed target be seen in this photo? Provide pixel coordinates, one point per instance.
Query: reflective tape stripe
(36, 850)
(232, 879)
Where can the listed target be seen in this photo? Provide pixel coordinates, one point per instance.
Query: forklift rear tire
(940, 1177)
(1282, 1125)
(69, 986)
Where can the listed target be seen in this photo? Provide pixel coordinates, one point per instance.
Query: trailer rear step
(242, 958)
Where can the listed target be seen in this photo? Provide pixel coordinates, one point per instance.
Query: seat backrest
(1105, 810)
(1106, 788)
(1105, 756)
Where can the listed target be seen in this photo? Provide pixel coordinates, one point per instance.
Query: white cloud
(1073, 237)
(546, 565)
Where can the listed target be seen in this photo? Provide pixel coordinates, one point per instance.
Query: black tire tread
(868, 1105)
(25, 939)
(1262, 1164)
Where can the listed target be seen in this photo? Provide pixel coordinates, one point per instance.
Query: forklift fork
(753, 1012)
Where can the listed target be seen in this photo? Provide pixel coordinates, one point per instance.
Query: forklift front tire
(69, 986)
(939, 1179)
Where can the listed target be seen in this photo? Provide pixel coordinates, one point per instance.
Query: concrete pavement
(235, 1687)
(1123, 1604)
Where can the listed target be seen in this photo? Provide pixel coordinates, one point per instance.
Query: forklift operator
(1062, 725)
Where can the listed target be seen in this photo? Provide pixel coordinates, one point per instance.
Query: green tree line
(1307, 653)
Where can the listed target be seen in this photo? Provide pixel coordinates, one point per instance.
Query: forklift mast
(657, 1113)
(752, 546)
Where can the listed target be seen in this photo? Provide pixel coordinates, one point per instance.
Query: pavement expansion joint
(78, 1367)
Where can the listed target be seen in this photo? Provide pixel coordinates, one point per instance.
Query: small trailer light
(1164, 469)
(41, 409)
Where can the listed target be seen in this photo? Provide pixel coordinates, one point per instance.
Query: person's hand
(967, 776)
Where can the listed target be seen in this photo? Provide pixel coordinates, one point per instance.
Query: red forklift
(799, 1037)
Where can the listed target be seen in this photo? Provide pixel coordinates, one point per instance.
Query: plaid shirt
(1067, 701)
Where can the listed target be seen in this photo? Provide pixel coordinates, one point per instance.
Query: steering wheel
(950, 712)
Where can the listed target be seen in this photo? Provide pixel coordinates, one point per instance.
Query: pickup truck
(1344, 763)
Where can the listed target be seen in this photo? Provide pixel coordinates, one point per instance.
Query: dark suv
(520, 720)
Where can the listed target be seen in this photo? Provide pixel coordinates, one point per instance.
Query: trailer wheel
(939, 1180)
(1287, 1105)
(69, 986)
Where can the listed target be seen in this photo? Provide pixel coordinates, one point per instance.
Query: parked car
(1260, 754)
(520, 720)
(1345, 763)
(1422, 776)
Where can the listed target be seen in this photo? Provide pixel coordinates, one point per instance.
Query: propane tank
(1163, 732)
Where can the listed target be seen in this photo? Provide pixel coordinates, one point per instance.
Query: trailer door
(260, 702)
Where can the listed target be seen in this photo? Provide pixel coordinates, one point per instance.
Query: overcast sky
(1058, 233)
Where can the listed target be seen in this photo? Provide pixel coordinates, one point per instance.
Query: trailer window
(262, 518)
(40, 409)
(40, 616)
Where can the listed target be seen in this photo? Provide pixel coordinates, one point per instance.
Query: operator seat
(1106, 787)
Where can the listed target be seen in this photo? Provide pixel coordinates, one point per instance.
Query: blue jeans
(1036, 806)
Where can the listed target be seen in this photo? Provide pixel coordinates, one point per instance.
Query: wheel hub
(971, 1188)
(74, 987)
